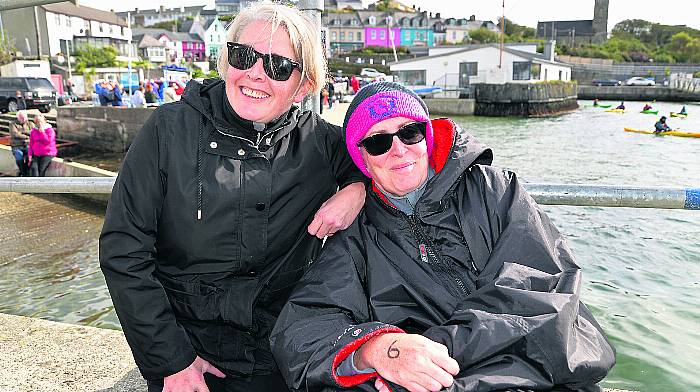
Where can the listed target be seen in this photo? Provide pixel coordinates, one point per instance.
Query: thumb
(209, 368)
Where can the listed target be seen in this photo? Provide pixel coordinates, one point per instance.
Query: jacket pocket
(191, 300)
(238, 302)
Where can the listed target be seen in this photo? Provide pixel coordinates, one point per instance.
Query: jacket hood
(454, 152)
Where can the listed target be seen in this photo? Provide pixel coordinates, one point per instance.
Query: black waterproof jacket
(478, 268)
(205, 233)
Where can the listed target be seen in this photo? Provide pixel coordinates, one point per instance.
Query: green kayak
(650, 111)
(603, 106)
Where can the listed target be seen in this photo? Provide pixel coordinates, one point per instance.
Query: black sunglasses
(380, 143)
(241, 56)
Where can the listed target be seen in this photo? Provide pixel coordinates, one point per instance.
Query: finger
(436, 377)
(314, 226)
(415, 387)
(379, 384)
(213, 370)
(446, 363)
(323, 230)
(201, 387)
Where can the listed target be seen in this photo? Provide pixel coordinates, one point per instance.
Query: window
(465, 71)
(58, 19)
(561, 75)
(407, 36)
(535, 70)
(334, 36)
(342, 36)
(545, 74)
(359, 36)
(412, 78)
(374, 34)
(382, 35)
(351, 36)
(521, 70)
(372, 20)
(454, 35)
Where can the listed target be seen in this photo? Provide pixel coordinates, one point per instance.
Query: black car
(38, 93)
(607, 82)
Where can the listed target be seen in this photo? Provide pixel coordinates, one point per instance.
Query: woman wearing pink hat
(451, 276)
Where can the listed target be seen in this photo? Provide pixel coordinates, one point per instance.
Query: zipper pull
(423, 254)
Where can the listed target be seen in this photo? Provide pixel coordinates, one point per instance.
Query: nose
(257, 71)
(397, 147)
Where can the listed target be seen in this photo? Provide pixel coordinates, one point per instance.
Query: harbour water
(641, 267)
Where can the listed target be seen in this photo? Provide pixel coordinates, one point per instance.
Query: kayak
(615, 111)
(669, 133)
(602, 106)
(650, 111)
(679, 115)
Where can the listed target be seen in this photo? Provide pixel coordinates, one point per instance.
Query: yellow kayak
(615, 111)
(669, 133)
(679, 115)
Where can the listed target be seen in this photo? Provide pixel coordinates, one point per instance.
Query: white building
(63, 27)
(149, 17)
(461, 66)
(214, 37)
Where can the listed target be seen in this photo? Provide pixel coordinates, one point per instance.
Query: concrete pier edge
(47, 356)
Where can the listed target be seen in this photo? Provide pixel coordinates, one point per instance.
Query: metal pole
(312, 9)
(128, 23)
(545, 194)
(70, 72)
(38, 33)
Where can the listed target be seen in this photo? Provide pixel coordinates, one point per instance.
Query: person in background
(355, 84)
(150, 96)
(661, 126)
(117, 93)
(331, 93)
(683, 111)
(169, 94)
(137, 98)
(621, 106)
(106, 94)
(596, 103)
(69, 90)
(222, 201)
(451, 276)
(647, 106)
(21, 102)
(42, 146)
(20, 131)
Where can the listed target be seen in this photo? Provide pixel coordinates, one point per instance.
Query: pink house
(382, 36)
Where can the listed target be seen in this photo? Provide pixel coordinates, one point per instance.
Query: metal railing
(546, 194)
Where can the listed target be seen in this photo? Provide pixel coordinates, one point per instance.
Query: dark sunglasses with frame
(279, 68)
(380, 143)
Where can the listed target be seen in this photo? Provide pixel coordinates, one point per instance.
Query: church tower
(600, 21)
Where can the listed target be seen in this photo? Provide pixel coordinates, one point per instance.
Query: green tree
(517, 32)
(484, 36)
(7, 49)
(90, 56)
(169, 25)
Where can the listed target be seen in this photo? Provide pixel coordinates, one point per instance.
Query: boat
(650, 112)
(615, 111)
(599, 106)
(669, 133)
(679, 115)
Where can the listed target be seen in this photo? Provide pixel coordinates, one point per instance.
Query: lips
(255, 94)
(403, 166)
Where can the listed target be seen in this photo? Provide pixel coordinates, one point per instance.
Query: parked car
(38, 93)
(607, 82)
(372, 73)
(639, 81)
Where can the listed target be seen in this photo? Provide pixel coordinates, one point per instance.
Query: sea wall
(101, 128)
(525, 100)
(40, 355)
(637, 93)
(450, 106)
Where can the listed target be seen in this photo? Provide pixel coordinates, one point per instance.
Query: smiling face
(252, 94)
(403, 168)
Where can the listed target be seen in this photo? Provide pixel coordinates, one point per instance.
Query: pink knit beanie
(377, 102)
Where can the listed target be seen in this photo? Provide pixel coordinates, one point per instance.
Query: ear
(302, 91)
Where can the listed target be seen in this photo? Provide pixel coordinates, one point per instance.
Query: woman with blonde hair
(42, 146)
(222, 201)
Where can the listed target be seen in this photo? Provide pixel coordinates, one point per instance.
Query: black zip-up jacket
(478, 267)
(205, 232)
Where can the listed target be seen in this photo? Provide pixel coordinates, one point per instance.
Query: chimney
(549, 50)
(472, 18)
(431, 15)
(437, 15)
(161, 9)
(136, 11)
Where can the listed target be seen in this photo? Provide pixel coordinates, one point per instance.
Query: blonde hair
(304, 36)
(39, 119)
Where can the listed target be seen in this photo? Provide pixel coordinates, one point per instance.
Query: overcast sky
(526, 12)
